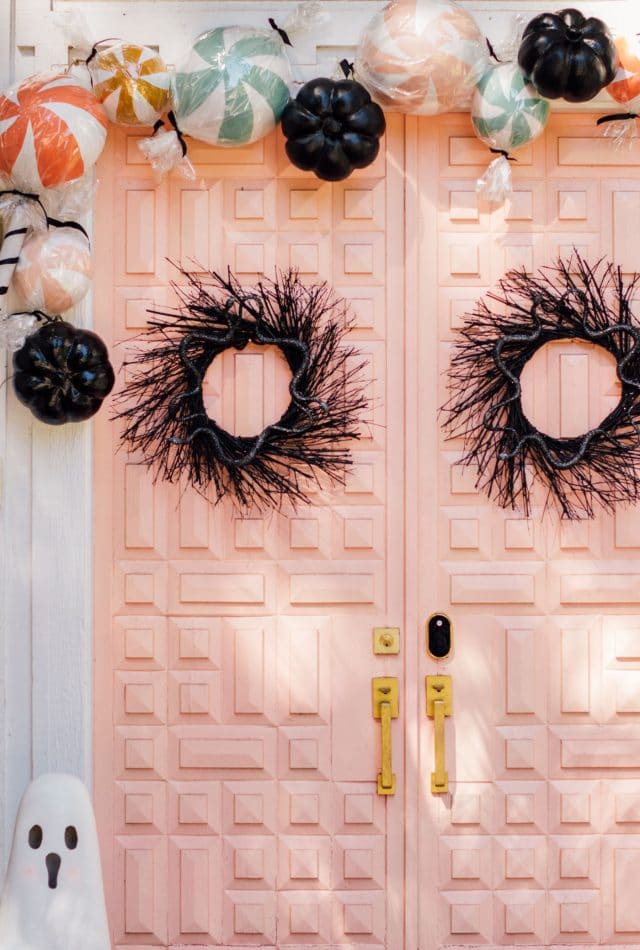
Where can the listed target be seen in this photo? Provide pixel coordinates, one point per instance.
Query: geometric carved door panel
(539, 840)
(236, 755)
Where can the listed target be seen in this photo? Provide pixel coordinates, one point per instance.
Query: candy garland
(233, 86)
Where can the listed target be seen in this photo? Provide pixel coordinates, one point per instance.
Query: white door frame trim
(46, 593)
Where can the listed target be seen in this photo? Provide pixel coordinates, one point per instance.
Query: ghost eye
(71, 837)
(35, 837)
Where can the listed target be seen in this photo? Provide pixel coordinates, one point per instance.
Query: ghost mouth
(53, 862)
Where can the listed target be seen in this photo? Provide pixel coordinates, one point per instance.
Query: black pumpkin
(62, 374)
(566, 55)
(332, 127)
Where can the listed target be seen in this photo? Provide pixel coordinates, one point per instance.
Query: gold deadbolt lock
(386, 640)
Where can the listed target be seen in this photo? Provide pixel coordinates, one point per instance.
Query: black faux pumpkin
(566, 55)
(332, 127)
(62, 374)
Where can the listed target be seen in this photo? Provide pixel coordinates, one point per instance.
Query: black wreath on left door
(570, 300)
(163, 408)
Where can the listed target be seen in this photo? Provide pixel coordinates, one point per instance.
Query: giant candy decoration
(506, 110)
(421, 56)
(132, 83)
(625, 87)
(53, 897)
(52, 131)
(507, 113)
(232, 87)
(54, 270)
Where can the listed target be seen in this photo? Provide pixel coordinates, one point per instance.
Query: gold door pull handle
(438, 708)
(384, 701)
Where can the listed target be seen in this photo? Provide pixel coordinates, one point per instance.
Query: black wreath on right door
(570, 300)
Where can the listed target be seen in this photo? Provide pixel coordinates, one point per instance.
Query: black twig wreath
(165, 418)
(569, 300)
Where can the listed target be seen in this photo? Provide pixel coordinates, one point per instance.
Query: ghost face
(55, 835)
(53, 861)
(53, 894)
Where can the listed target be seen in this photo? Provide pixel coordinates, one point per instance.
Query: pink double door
(236, 755)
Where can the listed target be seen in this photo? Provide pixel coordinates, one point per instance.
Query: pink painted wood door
(236, 755)
(539, 841)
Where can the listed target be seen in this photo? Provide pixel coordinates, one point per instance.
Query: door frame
(43, 650)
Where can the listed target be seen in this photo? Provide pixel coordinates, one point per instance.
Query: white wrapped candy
(54, 271)
(232, 87)
(507, 113)
(421, 56)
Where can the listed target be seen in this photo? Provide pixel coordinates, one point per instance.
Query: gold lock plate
(438, 687)
(386, 640)
(384, 689)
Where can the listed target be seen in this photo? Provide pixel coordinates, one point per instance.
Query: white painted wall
(45, 473)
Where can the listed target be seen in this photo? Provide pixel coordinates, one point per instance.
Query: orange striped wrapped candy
(625, 87)
(52, 131)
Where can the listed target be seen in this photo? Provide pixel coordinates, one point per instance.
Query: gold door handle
(438, 708)
(384, 701)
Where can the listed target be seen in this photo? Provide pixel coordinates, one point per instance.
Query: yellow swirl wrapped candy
(132, 83)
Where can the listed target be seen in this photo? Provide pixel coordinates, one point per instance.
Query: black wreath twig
(569, 300)
(163, 409)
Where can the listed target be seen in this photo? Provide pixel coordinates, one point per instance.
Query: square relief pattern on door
(539, 842)
(236, 755)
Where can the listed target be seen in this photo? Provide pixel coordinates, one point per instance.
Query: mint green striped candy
(506, 110)
(233, 86)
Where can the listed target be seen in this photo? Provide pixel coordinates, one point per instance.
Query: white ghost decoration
(53, 898)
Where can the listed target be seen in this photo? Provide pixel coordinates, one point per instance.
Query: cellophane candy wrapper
(25, 221)
(625, 90)
(71, 200)
(32, 213)
(421, 57)
(622, 132)
(75, 28)
(163, 150)
(506, 49)
(497, 182)
(306, 20)
(14, 329)
(19, 215)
